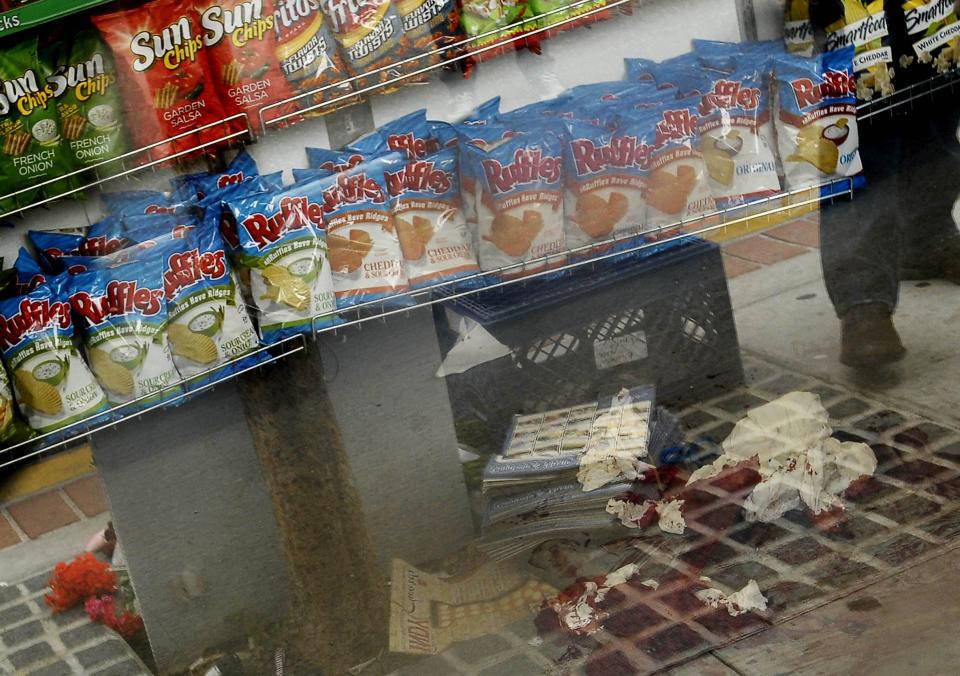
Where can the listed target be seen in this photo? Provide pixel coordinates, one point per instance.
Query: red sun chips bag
(241, 43)
(166, 81)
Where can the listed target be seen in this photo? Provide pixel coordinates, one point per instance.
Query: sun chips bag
(167, 84)
(52, 384)
(124, 311)
(283, 245)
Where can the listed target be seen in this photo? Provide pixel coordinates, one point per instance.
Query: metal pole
(747, 18)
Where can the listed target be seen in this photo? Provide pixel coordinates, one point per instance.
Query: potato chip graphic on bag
(597, 216)
(668, 192)
(820, 146)
(512, 235)
(414, 236)
(285, 287)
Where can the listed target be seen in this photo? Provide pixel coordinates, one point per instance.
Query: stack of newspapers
(535, 488)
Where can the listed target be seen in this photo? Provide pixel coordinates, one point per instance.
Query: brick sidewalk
(772, 246)
(36, 515)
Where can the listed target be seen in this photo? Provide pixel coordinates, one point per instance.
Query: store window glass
(578, 337)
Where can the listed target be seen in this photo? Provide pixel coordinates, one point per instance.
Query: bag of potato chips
(677, 185)
(209, 324)
(124, 312)
(369, 35)
(606, 175)
(797, 28)
(518, 195)
(283, 246)
(52, 384)
(817, 118)
(13, 429)
(29, 273)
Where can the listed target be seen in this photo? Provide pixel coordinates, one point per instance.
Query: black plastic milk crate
(622, 322)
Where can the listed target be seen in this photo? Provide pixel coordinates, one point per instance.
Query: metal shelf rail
(447, 291)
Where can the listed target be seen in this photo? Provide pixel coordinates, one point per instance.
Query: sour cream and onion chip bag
(817, 118)
(124, 310)
(53, 385)
(282, 244)
(209, 324)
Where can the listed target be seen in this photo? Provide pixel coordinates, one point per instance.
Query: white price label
(620, 350)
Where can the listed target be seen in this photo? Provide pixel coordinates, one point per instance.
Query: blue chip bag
(29, 273)
(52, 384)
(358, 210)
(208, 324)
(817, 118)
(677, 187)
(605, 178)
(517, 179)
(332, 161)
(124, 313)
(412, 135)
(194, 187)
(136, 202)
(736, 134)
(436, 243)
(284, 249)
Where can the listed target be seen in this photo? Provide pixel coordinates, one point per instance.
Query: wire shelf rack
(402, 303)
(909, 96)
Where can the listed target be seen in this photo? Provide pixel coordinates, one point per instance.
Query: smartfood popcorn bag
(864, 26)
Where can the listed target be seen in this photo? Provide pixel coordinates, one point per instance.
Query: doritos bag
(864, 27)
(934, 30)
(677, 186)
(165, 74)
(518, 193)
(52, 384)
(284, 248)
(241, 43)
(308, 56)
(369, 36)
(124, 312)
(817, 118)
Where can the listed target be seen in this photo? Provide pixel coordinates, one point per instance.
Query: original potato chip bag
(52, 384)
(283, 245)
(308, 55)
(85, 84)
(736, 134)
(864, 27)
(361, 233)
(817, 118)
(605, 179)
(934, 30)
(518, 186)
(13, 429)
(677, 185)
(124, 313)
(369, 36)
(797, 28)
(241, 42)
(208, 323)
(165, 76)
(31, 148)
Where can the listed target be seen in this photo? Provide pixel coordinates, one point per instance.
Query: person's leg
(860, 248)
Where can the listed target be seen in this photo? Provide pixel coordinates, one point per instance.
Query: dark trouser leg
(860, 240)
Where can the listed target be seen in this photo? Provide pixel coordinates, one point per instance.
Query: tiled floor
(772, 246)
(34, 516)
(909, 512)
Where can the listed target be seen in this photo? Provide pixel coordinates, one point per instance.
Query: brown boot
(869, 337)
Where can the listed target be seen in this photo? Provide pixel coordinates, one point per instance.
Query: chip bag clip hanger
(151, 164)
(469, 53)
(826, 192)
(290, 345)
